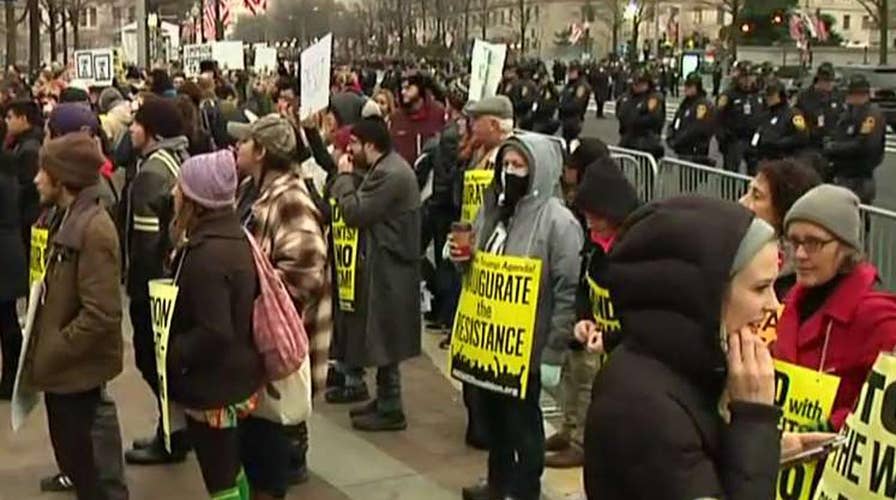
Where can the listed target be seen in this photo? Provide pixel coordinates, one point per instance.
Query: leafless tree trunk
(12, 33)
(33, 35)
(483, 18)
(51, 15)
(879, 11)
(525, 17)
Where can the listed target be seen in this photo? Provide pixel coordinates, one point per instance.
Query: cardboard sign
(229, 55)
(486, 69)
(806, 398)
(494, 329)
(95, 67)
(265, 60)
(162, 298)
(345, 252)
(195, 54)
(865, 469)
(475, 184)
(315, 72)
(24, 398)
(38, 264)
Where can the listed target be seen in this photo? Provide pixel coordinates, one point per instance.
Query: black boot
(335, 378)
(347, 394)
(481, 491)
(298, 461)
(156, 454)
(360, 411)
(380, 422)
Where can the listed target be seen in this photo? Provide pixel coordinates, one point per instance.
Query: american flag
(209, 18)
(256, 7)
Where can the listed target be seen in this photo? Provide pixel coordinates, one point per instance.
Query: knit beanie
(346, 107)
(109, 98)
(160, 117)
(71, 117)
(210, 179)
(73, 159)
(74, 94)
(834, 208)
(585, 151)
(604, 191)
(758, 234)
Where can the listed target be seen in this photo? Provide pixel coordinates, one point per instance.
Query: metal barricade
(679, 177)
(639, 168)
(880, 242)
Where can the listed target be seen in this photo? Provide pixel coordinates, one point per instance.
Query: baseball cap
(271, 132)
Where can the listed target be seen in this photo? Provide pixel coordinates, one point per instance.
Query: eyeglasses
(810, 245)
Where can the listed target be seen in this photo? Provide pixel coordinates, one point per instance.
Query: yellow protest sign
(602, 307)
(162, 297)
(38, 265)
(806, 398)
(494, 328)
(345, 255)
(475, 184)
(768, 331)
(865, 469)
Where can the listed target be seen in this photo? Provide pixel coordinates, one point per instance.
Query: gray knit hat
(834, 208)
(757, 236)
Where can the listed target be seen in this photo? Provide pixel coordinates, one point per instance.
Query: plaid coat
(291, 231)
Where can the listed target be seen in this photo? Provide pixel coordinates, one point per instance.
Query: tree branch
(874, 8)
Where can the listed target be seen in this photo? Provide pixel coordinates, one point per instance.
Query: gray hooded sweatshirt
(541, 227)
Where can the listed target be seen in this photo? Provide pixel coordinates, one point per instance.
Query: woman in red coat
(834, 320)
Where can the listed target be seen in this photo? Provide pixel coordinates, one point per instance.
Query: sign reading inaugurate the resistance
(345, 251)
(806, 398)
(475, 184)
(865, 468)
(494, 328)
(38, 265)
(162, 298)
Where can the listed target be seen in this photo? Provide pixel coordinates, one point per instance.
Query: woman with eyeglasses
(835, 319)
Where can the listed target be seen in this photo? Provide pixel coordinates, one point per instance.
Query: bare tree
(734, 9)
(616, 8)
(12, 32)
(483, 17)
(637, 19)
(525, 16)
(879, 11)
(33, 35)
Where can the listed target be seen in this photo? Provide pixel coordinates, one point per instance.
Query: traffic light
(746, 28)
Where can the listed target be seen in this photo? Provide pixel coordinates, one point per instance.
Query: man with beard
(376, 192)
(418, 119)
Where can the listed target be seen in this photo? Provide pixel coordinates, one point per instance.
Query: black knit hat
(159, 117)
(604, 191)
(588, 151)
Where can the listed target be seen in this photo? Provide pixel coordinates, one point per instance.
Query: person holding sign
(75, 346)
(834, 320)
(605, 198)
(689, 349)
(212, 368)
(376, 194)
(517, 309)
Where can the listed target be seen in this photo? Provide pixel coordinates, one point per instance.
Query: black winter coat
(14, 278)
(212, 361)
(653, 429)
(23, 157)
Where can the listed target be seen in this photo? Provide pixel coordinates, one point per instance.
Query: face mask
(515, 188)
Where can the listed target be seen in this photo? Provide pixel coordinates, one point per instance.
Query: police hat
(744, 68)
(858, 84)
(774, 86)
(825, 72)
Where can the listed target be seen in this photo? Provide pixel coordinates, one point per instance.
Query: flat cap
(498, 106)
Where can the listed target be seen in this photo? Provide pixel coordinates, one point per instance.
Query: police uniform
(545, 109)
(822, 110)
(691, 130)
(523, 94)
(782, 132)
(856, 146)
(737, 112)
(573, 105)
(600, 84)
(641, 119)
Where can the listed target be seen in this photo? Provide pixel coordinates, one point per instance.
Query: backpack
(277, 327)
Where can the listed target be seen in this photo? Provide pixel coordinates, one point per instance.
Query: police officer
(737, 110)
(559, 71)
(642, 114)
(600, 84)
(546, 105)
(856, 145)
(691, 130)
(523, 94)
(821, 105)
(782, 130)
(574, 102)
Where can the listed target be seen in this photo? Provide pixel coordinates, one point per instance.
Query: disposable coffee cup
(462, 237)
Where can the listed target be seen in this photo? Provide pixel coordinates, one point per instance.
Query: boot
(360, 411)
(570, 458)
(481, 491)
(347, 395)
(380, 422)
(557, 442)
(156, 454)
(335, 378)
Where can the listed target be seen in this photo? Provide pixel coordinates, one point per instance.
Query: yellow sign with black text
(865, 468)
(602, 307)
(475, 184)
(345, 253)
(162, 298)
(38, 264)
(494, 329)
(806, 398)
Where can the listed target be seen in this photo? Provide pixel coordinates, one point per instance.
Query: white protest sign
(95, 67)
(265, 60)
(228, 54)
(315, 64)
(195, 54)
(486, 69)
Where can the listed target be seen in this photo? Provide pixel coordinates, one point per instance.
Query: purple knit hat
(210, 179)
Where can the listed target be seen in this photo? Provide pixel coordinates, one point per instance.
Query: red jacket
(410, 131)
(862, 323)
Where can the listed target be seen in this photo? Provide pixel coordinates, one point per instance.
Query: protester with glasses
(834, 321)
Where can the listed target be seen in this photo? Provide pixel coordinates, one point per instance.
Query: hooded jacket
(653, 429)
(541, 227)
(149, 212)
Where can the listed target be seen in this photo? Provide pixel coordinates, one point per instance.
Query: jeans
(516, 447)
(106, 434)
(70, 418)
